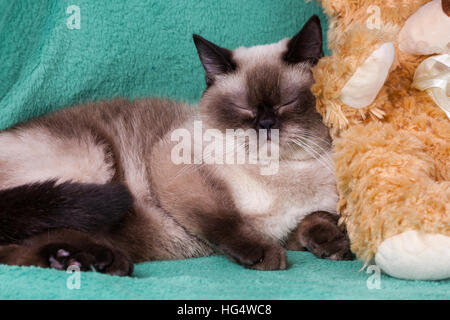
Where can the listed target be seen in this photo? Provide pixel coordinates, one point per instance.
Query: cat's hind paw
(92, 257)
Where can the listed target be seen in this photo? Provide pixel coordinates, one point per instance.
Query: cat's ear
(215, 60)
(306, 46)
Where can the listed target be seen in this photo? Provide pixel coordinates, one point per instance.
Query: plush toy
(391, 139)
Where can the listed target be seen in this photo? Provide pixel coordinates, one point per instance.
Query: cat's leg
(200, 201)
(319, 233)
(60, 249)
(242, 244)
(221, 226)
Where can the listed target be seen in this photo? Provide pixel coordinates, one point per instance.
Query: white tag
(433, 75)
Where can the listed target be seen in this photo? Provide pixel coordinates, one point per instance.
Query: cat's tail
(35, 208)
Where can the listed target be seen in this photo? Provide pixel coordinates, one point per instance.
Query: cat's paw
(258, 256)
(329, 244)
(320, 235)
(274, 258)
(327, 241)
(91, 257)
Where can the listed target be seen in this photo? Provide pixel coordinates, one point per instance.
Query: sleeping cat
(96, 185)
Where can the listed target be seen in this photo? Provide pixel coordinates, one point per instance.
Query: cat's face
(265, 87)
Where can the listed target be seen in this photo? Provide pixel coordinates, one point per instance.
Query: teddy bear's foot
(415, 256)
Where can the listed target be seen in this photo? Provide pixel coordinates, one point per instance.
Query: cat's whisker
(323, 155)
(314, 154)
(315, 137)
(322, 162)
(312, 135)
(310, 139)
(323, 152)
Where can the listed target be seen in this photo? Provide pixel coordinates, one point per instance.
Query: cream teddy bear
(384, 93)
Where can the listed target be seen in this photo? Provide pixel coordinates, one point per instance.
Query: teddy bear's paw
(364, 85)
(415, 256)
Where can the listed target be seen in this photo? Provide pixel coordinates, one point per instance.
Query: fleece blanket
(61, 53)
(217, 278)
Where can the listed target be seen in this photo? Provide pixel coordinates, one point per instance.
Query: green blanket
(217, 278)
(132, 48)
(138, 48)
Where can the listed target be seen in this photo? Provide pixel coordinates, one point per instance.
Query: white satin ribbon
(433, 75)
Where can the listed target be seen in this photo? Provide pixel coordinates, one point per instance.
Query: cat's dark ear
(215, 60)
(306, 46)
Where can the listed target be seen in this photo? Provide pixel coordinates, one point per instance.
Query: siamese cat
(96, 186)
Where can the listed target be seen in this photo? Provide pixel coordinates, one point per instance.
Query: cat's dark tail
(35, 208)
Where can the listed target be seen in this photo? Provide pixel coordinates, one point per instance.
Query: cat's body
(177, 210)
(99, 143)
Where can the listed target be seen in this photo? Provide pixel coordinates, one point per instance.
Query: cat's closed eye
(244, 110)
(290, 104)
(299, 102)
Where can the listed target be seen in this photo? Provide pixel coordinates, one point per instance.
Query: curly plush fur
(391, 157)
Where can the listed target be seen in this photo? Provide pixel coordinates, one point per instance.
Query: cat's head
(265, 87)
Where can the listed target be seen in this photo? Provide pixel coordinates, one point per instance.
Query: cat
(96, 186)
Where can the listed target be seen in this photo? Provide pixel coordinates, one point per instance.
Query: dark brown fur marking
(446, 7)
(307, 44)
(318, 233)
(59, 249)
(31, 209)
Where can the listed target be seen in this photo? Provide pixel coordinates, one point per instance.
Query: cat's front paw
(320, 234)
(274, 258)
(258, 256)
(91, 257)
(330, 244)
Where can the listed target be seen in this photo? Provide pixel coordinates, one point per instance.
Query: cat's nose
(266, 124)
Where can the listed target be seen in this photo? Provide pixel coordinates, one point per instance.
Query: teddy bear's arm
(349, 83)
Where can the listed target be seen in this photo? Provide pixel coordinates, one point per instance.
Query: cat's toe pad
(92, 257)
